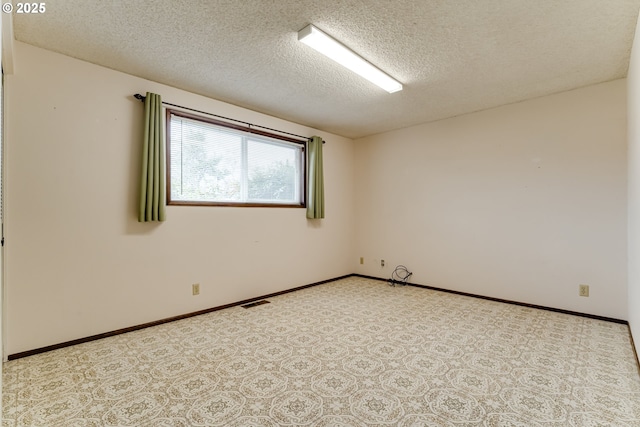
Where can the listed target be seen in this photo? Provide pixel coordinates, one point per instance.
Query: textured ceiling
(453, 57)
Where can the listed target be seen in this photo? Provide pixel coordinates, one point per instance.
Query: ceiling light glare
(333, 49)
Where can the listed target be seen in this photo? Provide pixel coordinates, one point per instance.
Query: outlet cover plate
(583, 290)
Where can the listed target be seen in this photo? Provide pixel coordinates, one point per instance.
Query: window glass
(213, 164)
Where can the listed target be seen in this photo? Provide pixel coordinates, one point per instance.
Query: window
(216, 163)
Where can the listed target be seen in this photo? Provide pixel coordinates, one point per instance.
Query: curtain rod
(304, 138)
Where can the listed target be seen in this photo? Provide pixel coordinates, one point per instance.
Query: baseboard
(633, 346)
(160, 322)
(522, 304)
(221, 307)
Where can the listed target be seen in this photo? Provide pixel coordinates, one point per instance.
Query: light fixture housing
(333, 49)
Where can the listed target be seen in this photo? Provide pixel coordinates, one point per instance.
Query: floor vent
(253, 304)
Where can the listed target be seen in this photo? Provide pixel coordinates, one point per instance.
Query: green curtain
(152, 184)
(315, 190)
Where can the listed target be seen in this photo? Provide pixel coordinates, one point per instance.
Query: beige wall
(634, 190)
(79, 263)
(522, 202)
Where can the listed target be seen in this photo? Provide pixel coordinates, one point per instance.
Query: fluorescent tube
(344, 56)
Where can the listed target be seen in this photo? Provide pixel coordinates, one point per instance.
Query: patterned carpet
(353, 352)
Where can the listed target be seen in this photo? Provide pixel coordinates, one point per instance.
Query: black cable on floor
(400, 276)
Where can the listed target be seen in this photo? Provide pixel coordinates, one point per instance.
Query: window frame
(241, 129)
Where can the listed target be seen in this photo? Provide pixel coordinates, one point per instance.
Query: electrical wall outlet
(381, 263)
(361, 260)
(583, 290)
(195, 289)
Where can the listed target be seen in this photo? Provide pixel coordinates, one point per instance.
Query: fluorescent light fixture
(344, 56)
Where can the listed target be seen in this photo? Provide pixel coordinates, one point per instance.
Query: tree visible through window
(212, 163)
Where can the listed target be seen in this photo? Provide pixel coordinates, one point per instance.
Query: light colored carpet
(354, 352)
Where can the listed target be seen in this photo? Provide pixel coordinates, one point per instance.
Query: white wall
(522, 202)
(633, 117)
(77, 261)
(1, 249)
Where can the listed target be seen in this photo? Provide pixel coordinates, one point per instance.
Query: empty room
(340, 213)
